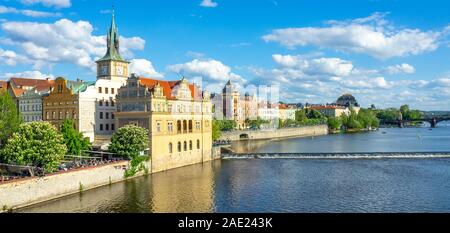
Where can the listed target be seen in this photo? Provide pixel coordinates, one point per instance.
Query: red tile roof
(3, 85)
(167, 86)
(20, 85)
(326, 107)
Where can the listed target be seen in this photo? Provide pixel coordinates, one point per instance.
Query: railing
(10, 172)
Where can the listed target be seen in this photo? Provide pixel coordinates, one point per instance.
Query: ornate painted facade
(177, 114)
(72, 100)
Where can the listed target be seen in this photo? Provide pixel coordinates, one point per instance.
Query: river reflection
(289, 185)
(189, 189)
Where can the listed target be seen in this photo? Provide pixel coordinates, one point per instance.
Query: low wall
(20, 193)
(275, 133)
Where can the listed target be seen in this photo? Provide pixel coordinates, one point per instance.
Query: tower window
(100, 90)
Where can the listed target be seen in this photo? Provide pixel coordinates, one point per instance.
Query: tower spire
(113, 44)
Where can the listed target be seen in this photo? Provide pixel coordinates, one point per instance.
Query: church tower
(112, 66)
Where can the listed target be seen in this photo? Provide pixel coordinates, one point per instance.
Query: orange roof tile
(19, 85)
(166, 85)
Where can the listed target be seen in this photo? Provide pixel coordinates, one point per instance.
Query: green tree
(35, 144)
(10, 118)
(216, 130)
(334, 123)
(129, 141)
(300, 116)
(74, 140)
(404, 109)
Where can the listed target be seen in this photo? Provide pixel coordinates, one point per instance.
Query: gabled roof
(20, 85)
(167, 86)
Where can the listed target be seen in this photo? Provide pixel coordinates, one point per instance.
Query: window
(184, 126)
(158, 126)
(47, 116)
(107, 103)
(190, 145)
(112, 91)
(179, 146)
(190, 126)
(67, 115)
(100, 103)
(100, 90)
(179, 126)
(107, 115)
(113, 127)
(106, 90)
(60, 115)
(74, 115)
(101, 127)
(112, 103)
(198, 144)
(60, 88)
(112, 116)
(197, 125)
(170, 148)
(101, 115)
(107, 127)
(185, 146)
(170, 127)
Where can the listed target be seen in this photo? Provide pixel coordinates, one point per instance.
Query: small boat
(384, 133)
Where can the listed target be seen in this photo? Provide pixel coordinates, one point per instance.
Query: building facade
(112, 74)
(3, 86)
(177, 114)
(18, 86)
(75, 100)
(30, 105)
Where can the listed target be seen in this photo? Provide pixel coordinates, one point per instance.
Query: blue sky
(385, 52)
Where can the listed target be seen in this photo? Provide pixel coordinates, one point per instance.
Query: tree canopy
(35, 144)
(73, 139)
(129, 141)
(10, 118)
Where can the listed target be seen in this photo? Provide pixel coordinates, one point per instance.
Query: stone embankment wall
(275, 133)
(20, 193)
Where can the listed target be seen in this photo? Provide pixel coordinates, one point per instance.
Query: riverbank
(24, 192)
(283, 133)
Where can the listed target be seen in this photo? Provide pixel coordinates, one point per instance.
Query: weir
(363, 155)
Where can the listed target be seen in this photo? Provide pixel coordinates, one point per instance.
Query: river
(291, 185)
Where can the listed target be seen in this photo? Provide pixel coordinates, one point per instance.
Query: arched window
(190, 126)
(54, 115)
(198, 144)
(170, 148)
(179, 146)
(190, 145)
(184, 126)
(185, 146)
(179, 126)
(47, 116)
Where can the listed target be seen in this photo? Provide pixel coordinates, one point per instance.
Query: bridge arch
(244, 136)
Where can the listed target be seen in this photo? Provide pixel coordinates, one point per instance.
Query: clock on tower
(112, 66)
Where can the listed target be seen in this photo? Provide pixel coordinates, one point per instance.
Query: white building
(30, 105)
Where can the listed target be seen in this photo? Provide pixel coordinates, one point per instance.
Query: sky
(384, 52)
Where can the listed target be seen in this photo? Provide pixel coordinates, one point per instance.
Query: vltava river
(291, 185)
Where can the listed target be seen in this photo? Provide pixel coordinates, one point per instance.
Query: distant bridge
(433, 119)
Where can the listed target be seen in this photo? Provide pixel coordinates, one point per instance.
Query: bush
(129, 141)
(35, 144)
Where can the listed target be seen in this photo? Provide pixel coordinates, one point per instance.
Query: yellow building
(177, 114)
(71, 100)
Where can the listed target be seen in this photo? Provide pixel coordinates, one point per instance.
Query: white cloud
(318, 66)
(64, 41)
(11, 58)
(372, 35)
(49, 3)
(27, 74)
(30, 13)
(401, 69)
(209, 72)
(145, 68)
(208, 3)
